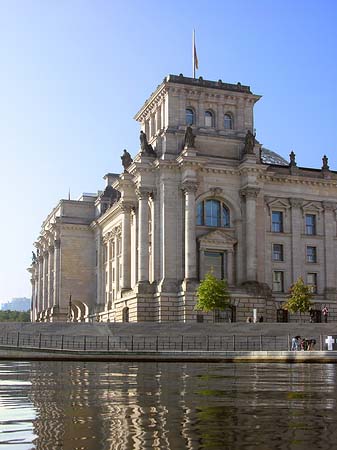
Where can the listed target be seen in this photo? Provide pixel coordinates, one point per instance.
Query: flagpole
(193, 53)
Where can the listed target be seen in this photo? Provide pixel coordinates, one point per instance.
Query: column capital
(249, 192)
(329, 206)
(143, 193)
(296, 202)
(126, 208)
(57, 243)
(189, 187)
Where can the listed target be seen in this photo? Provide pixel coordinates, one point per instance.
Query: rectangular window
(277, 222)
(310, 224)
(312, 282)
(311, 254)
(277, 252)
(278, 281)
(214, 264)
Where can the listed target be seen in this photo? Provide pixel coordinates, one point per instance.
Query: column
(190, 231)
(329, 246)
(32, 280)
(99, 268)
(230, 267)
(296, 242)
(108, 269)
(50, 276)
(126, 247)
(155, 223)
(57, 266)
(40, 297)
(143, 236)
(45, 281)
(250, 195)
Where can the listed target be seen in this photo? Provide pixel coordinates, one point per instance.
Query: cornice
(299, 180)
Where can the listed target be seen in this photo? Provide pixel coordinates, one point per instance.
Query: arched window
(228, 122)
(213, 213)
(189, 116)
(209, 119)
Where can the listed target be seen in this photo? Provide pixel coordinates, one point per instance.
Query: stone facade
(185, 206)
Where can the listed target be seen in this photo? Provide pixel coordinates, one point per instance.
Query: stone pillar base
(144, 287)
(189, 284)
(168, 285)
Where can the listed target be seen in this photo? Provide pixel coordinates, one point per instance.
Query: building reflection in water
(111, 406)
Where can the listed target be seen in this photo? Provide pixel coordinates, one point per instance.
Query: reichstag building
(200, 194)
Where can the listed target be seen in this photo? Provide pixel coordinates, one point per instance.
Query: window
(312, 282)
(213, 213)
(228, 122)
(277, 222)
(125, 314)
(277, 252)
(209, 119)
(214, 263)
(200, 213)
(311, 254)
(310, 224)
(189, 116)
(200, 317)
(277, 281)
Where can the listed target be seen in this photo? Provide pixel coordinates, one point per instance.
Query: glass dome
(270, 157)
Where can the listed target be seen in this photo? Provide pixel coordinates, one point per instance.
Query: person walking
(325, 313)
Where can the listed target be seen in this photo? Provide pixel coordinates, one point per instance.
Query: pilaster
(250, 194)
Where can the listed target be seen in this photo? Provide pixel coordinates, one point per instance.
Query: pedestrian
(325, 313)
(249, 320)
(261, 319)
(311, 344)
(295, 342)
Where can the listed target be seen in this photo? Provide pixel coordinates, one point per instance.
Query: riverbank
(20, 354)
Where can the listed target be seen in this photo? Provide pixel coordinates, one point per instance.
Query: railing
(134, 343)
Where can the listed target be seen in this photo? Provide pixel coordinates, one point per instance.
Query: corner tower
(220, 115)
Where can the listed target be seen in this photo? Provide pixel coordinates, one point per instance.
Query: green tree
(14, 316)
(299, 298)
(212, 294)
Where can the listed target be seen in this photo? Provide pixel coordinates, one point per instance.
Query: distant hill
(16, 304)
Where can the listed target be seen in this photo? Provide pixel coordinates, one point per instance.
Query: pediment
(281, 203)
(217, 239)
(312, 206)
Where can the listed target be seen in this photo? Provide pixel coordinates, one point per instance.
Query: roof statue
(189, 138)
(126, 159)
(325, 163)
(249, 143)
(145, 147)
(292, 157)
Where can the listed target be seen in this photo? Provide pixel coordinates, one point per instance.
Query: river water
(171, 406)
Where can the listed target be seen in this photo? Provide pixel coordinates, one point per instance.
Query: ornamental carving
(329, 206)
(189, 187)
(143, 193)
(296, 202)
(250, 192)
(216, 191)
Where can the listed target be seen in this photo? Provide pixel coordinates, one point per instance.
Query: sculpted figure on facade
(34, 258)
(126, 160)
(189, 138)
(249, 143)
(292, 157)
(145, 147)
(325, 165)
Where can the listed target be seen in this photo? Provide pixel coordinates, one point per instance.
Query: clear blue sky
(73, 74)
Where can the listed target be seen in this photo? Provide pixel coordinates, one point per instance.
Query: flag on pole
(195, 56)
